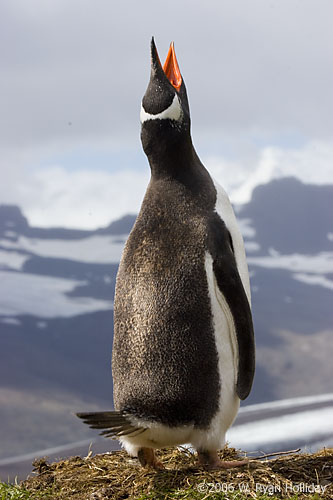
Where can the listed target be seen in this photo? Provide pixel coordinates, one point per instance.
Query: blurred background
(259, 79)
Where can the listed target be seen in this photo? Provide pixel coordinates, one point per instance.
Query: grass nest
(117, 476)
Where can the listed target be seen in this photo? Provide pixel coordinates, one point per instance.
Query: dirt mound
(116, 476)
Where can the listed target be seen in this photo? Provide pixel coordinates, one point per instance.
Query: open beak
(171, 68)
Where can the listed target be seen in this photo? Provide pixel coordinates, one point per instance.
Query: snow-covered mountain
(56, 295)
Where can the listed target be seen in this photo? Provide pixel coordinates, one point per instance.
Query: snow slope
(43, 296)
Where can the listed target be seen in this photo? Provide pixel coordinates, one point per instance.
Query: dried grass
(116, 476)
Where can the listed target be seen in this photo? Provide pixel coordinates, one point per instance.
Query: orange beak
(171, 68)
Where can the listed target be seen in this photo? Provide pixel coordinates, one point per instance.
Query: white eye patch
(173, 112)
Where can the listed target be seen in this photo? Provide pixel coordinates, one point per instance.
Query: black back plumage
(164, 352)
(165, 360)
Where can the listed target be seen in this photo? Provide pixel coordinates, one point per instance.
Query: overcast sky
(259, 77)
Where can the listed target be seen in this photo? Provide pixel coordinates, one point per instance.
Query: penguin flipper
(220, 246)
(114, 423)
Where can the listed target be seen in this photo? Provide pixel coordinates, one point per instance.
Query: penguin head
(165, 114)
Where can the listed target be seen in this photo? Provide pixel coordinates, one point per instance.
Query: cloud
(85, 199)
(90, 198)
(260, 68)
(73, 75)
(311, 163)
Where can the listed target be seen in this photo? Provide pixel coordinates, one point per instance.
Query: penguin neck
(173, 161)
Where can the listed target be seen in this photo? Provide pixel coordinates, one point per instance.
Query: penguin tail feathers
(114, 423)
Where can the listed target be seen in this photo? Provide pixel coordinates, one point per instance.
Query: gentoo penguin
(183, 349)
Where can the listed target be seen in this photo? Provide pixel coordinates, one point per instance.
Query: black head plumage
(165, 114)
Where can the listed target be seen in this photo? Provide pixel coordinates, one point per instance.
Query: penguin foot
(147, 458)
(210, 460)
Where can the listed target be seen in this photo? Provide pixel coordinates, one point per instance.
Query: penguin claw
(210, 461)
(147, 458)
